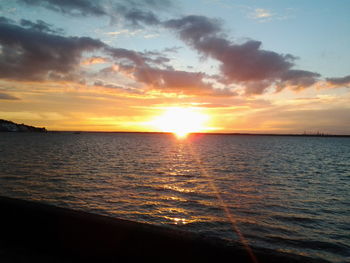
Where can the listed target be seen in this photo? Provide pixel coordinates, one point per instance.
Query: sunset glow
(181, 121)
(115, 65)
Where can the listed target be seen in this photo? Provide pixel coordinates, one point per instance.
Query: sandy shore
(34, 232)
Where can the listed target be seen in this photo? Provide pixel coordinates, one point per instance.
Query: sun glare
(181, 121)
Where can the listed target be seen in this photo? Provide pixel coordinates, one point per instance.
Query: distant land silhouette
(9, 126)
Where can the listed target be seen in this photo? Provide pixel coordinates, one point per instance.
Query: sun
(181, 121)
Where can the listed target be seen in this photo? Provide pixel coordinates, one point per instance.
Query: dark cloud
(122, 53)
(34, 55)
(137, 17)
(297, 79)
(247, 64)
(140, 12)
(4, 96)
(193, 28)
(257, 87)
(138, 58)
(40, 26)
(156, 58)
(339, 81)
(170, 80)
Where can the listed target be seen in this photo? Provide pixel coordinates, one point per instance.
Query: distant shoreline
(214, 133)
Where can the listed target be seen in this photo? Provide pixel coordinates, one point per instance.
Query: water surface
(285, 193)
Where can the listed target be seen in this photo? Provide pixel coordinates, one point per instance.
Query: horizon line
(213, 133)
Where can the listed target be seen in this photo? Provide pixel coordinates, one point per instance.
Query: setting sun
(181, 121)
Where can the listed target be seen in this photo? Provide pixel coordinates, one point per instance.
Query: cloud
(129, 57)
(35, 55)
(4, 96)
(136, 16)
(136, 58)
(339, 81)
(156, 58)
(247, 63)
(122, 53)
(140, 12)
(298, 79)
(151, 68)
(192, 28)
(170, 80)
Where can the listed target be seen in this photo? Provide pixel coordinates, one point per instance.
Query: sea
(286, 193)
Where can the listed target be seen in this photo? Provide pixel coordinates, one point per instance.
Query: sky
(262, 66)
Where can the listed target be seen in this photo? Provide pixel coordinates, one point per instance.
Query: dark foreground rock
(34, 232)
(9, 126)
